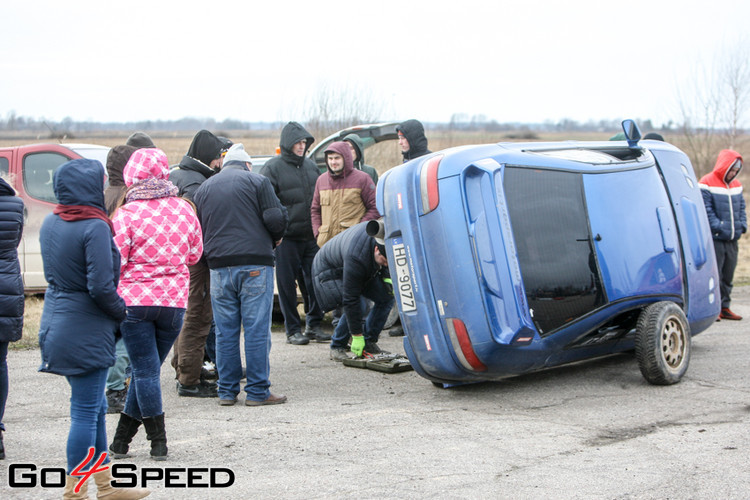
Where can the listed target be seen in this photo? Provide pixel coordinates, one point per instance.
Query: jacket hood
(291, 134)
(206, 147)
(725, 160)
(146, 164)
(80, 182)
(359, 147)
(341, 148)
(6, 189)
(413, 130)
(117, 157)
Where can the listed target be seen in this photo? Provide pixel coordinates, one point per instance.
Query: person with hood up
(159, 237)
(411, 139)
(11, 286)
(344, 196)
(725, 207)
(81, 314)
(242, 222)
(357, 148)
(293, 176)
(203, 159)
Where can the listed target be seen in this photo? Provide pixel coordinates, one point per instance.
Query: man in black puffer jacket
(293, 176)
(350, 266)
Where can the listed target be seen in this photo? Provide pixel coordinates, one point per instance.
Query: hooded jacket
(82, 309)
(11, 283)
(342, 270)
(341, 201)
(359, 160)
(293, 179)
(241, 217)
(194, 168)
(117, 157)
(158, 239)
(414, 133)
(725, 204)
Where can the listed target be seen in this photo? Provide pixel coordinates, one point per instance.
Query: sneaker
(373, 348)
(726, 313)
(317, 334)
(116, 400)
(340, 354)
(297, 339)
(197, 390)
(272, 399)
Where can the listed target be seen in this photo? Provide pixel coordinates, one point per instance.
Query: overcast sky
(512, 61)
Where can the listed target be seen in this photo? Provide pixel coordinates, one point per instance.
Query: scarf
(150, 189)
(81, 212)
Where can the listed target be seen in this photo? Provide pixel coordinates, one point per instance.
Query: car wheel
(392, 318)
(662, 343)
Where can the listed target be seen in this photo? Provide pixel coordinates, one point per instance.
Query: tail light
(428, 182)
(462, 346)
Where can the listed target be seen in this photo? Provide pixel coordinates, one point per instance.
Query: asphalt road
(592, 430)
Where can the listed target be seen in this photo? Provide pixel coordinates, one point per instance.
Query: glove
(358, 344)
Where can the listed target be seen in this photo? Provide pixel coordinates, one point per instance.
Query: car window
(555, 251)
(38, 169)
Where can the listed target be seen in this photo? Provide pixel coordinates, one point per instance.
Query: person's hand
(358, 344)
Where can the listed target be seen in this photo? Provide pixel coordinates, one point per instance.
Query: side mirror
(632, 133)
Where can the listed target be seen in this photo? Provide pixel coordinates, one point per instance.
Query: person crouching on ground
(159, 236)
(82, 311)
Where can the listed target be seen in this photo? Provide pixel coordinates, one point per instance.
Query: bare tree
(714, 104)
(334, 107)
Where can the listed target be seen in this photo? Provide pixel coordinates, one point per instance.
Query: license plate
(403, 282)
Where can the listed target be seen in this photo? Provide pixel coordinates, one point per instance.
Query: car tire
(392, 318)
(663, 343)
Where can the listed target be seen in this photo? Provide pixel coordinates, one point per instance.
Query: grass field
(382, 156)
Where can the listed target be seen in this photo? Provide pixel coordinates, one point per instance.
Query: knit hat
(140, 140)
(237, 153)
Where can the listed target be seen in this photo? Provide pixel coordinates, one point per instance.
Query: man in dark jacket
(358, 156)
(350, 266)
(11, 286)
(242, 221)
(202, 160)
(293, 176)
(411, 139)
(725, 207)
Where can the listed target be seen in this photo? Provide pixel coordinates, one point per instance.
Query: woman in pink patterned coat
(159, 236)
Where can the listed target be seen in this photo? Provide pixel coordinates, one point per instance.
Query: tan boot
(105, 490)
(70, 484)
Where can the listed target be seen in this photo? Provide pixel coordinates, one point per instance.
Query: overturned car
(514, 257)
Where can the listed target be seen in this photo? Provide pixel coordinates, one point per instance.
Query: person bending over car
(350, 266)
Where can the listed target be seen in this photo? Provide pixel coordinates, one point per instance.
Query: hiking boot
(297, 339)
(315, 333)
(116, 400)
(272, 399)
(726, 313)
(373, 348)
(202, 390)
(340, 354)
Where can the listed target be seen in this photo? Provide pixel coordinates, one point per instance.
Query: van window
(555, 251)
(38, 169)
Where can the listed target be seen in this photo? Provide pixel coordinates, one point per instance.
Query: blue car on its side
(514, 257)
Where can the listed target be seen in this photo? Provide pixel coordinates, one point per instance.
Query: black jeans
(291, 257)
(726, 262)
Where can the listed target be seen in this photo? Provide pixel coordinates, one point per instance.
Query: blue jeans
(149, 332)
(118, 373)
(243, 296)
(3, 381)
(380, 294)
(88, 409)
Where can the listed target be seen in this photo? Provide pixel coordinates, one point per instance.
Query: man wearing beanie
(140, 140)
(202, 160)
(243, 221)
(293, 176)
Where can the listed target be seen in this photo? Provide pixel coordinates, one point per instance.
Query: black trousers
(293, 256)
(726, 261)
